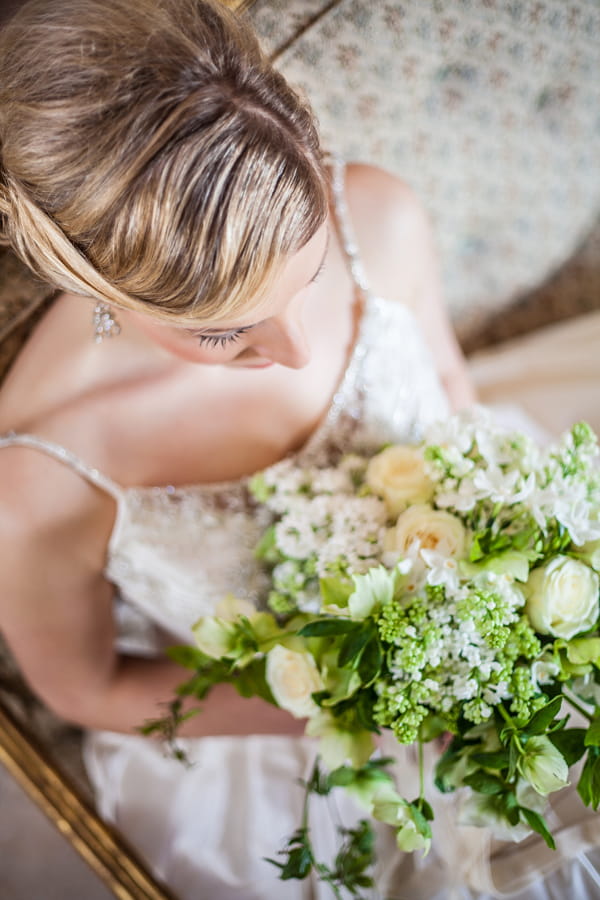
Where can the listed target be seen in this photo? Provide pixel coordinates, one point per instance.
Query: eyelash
(221, 340)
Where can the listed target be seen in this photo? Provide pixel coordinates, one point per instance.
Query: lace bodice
(175, 552)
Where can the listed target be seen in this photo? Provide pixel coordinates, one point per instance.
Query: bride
(226, 298)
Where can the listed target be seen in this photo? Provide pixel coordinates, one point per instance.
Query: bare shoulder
(55, 605)
(392, 230)
(45, 506)
(372, 189)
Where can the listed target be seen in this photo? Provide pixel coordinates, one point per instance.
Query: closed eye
(221, 340)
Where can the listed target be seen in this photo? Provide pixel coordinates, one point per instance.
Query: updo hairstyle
(150, 157)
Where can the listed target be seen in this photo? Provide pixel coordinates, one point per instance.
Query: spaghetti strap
(64, 456)
(344, 222)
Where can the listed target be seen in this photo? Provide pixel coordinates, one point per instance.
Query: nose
(283, 341)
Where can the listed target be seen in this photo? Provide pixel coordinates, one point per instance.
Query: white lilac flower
(502, 487)
(442, 570)
(544, 670)
(576, 519)
(455, 432)
(332, 481)
(462, 499)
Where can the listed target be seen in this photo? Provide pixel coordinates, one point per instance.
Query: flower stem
(307, 792)
(576, 704)
(510, 721)
(504, 714)
(421, 773)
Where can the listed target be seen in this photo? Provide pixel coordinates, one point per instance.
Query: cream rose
(434, 529)
(292, 678)
(399, 475)
(562, 597)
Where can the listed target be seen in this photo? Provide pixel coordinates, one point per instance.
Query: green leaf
(328, 627)
(511, 807)
(538, 824)
(570, 742)
(592, 735)
(420, 820)
(335, 591)
(298, 865)
(371, 661)
(252, 681)
(354, 644)
(498, 760)
(589, 782)
(509, 562)
(514, 754)
(539, 722)
(583, 650)
(342, 776)
(432, 727)
(364, 711)
(422, 804)
(187, 656)
(484, 783)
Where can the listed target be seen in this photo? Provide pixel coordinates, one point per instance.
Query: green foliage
(300, 859)
(570, 742)
(327, 627)
(588, 787)
(335, 591)
(349, 871)
(167, 728)
(538, 824)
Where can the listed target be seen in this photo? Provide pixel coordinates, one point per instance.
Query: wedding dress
(174, 553)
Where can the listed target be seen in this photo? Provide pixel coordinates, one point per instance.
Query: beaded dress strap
(344, 222)
(64, 456)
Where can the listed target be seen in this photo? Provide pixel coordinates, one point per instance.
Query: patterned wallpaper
(490, 109)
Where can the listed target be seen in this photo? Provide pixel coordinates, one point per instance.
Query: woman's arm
(56, 611)
(397, 246)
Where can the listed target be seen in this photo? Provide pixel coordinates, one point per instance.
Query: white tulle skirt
(206, 829)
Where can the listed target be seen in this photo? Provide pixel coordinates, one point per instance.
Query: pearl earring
(105, 323)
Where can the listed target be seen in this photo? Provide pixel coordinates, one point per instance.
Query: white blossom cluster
(330, 528)
(477, 462)
(323, 527)
(451, 653)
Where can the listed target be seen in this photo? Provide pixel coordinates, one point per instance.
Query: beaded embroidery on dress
(174, 554)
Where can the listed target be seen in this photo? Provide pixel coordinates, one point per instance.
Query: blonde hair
(150, 156)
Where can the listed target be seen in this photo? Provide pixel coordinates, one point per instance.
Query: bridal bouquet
(450, 588)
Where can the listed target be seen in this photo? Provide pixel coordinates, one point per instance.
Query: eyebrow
(215, 331)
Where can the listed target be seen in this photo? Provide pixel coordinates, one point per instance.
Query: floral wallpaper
(490, 109)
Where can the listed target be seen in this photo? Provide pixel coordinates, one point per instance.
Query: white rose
(399, 475)
(292, 678)
(562, 597)
(434, 529)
